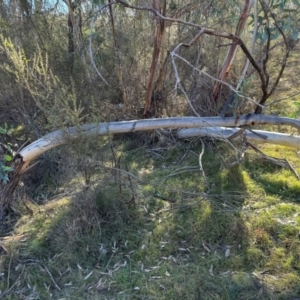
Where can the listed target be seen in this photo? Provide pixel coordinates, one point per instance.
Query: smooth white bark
(60, 137)
(254, 136)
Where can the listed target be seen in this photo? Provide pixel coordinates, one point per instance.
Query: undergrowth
(150, 225)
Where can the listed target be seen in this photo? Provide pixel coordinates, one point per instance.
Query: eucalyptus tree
(142, 50)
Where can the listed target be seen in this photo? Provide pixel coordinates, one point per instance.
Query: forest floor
(136, 217)
(144, 222)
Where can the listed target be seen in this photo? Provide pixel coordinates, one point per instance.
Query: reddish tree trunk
(231, 52)
(148, 109)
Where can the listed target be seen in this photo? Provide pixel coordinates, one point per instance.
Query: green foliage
(57, 101)
(296, 112)
(4, 169)
(5, 130)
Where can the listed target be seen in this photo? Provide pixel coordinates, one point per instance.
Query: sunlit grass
(171, 234)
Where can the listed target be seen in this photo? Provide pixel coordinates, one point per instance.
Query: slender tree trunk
(216, 91)
(71, 23)
(149, 108)
(118, 56)
(159, 85)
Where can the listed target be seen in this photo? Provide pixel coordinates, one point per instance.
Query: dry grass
(161, 235)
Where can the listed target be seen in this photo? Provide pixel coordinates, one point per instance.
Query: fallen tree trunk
(259, 136)
(60, 137)
(211, 126)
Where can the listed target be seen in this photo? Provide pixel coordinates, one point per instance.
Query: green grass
(169, 235)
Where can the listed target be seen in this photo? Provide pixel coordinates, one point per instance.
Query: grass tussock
(160, 229)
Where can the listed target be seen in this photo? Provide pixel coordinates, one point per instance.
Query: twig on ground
(51, 277)
(200, 163)
(134, 198)
(186, 206)
(155, 153)
(154, 183)
(164, 198)
(9, 269)
(293, 169)
(284, 163)
(183, 156)
(9, 288)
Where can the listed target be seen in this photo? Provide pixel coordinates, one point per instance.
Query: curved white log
(60, 137)
(254, 135)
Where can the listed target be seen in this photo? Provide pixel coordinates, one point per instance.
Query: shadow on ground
(121, 238)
